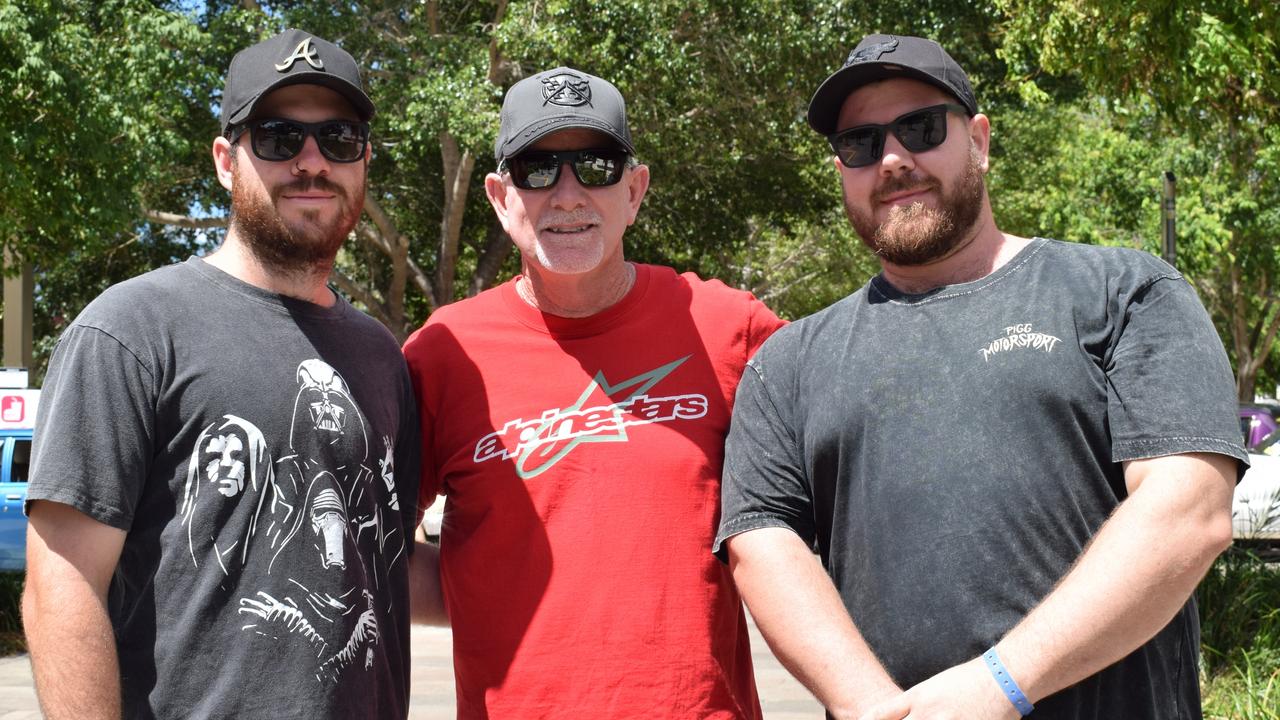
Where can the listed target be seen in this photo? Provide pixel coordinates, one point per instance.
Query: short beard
(305, 249)
(916, 234)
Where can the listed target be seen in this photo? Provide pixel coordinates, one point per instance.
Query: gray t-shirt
(262, 454)
(952, 453)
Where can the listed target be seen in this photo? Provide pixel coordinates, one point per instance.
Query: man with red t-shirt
(575, 419)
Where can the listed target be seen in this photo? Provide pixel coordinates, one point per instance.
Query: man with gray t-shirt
(1015, 456)
(224, 482)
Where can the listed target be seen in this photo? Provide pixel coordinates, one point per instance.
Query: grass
(1240, 638)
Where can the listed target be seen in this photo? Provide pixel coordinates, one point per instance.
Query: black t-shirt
(952, 453)
(262, 455)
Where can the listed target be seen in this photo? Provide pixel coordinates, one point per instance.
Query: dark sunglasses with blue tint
(918, 131)
(279, 139)
(538, 169)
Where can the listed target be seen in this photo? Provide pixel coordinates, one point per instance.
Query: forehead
(882, 101)
(305, 102)
(574, 139)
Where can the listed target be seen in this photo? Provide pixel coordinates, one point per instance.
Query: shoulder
(809, 338)
(448, 325)
(1119, 266)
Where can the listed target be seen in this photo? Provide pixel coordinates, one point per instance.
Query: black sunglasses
(278, 139)
(537, 169)
(918, 130)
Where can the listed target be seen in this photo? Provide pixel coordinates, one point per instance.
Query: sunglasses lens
(278, 139)
(532, 171)
(858, 147)
(923, 130)
(596, 168)
(341, 141)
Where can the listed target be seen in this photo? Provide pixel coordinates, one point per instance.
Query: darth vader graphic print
(301, 531)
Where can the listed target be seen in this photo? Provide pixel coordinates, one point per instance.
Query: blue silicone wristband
(1006, 683)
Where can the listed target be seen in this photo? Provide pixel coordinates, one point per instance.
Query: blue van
(17, 421)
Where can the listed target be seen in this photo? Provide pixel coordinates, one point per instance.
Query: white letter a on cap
(304, 51)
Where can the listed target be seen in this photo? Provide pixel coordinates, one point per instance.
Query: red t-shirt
(581, 460)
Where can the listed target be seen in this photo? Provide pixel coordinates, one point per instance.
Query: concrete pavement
(432, 696)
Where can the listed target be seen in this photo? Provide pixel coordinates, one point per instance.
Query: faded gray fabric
(952, 453)
(262, 454)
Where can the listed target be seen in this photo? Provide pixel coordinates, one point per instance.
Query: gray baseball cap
(560, 99)
(293, 57)
(878, 57)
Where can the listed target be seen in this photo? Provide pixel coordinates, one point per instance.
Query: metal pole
(1169, 214)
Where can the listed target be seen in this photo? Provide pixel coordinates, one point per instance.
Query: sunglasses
(536, 169)
(277, 139)
(918, 131)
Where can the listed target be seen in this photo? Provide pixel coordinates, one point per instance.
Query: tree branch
(186, 221)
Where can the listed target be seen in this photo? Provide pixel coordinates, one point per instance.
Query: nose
(310, 160)
(568, 193)
(896, 159)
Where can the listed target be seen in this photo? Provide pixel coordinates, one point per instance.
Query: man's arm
(70, 560)
(804, 621)
(426, 601)
(1133, 577)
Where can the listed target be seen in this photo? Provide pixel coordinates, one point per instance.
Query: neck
(979, 255)
(575, 296)
(236, 259)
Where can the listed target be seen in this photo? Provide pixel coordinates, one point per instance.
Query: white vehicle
(1255, 510)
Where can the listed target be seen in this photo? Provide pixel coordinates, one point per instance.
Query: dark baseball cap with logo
(878, 57)
(560, 99)
(293, 57)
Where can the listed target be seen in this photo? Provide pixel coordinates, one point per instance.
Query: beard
(305, 247)
(916, 234)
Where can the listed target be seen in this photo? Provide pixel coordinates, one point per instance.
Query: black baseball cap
(878, 57)
(560, 99)
(293, 57)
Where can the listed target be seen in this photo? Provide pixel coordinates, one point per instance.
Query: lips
(570, 229)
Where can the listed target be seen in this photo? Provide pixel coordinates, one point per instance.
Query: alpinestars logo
(1019, 336)
(538, 444)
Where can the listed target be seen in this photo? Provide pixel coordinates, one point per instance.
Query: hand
(963, 692)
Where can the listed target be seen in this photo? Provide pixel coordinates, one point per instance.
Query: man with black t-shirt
(1016, 456)
(224, 481)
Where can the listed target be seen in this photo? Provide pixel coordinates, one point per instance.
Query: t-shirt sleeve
(95, 431)
(417, 354)
(408, 459)
(1170, 385)
(764, 482)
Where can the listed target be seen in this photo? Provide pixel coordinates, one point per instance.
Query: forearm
(70, 638)
(804, 621)
(426, 601)
(1132, 579)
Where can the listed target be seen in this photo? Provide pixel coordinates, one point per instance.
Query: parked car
(1255, 508)
(17, 421)
(1257, 422)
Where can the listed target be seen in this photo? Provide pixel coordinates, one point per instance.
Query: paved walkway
(782, 697)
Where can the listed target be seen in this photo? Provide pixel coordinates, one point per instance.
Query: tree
(1212, 73)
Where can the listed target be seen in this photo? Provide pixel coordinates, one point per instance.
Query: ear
(222, 159)
(980, 134)
(637, 185)
(495, 188)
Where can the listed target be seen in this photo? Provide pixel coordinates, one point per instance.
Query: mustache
(308, 184)
(576, 217)
(906, 183)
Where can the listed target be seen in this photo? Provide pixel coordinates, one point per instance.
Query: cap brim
(354, 95)
(545, 126)
(824, 108)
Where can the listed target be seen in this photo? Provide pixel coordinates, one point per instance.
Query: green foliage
(1239, 603)
(11, 638)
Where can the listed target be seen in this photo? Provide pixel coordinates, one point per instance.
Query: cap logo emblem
(566, 90)
(305, 51)
(872, 52)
